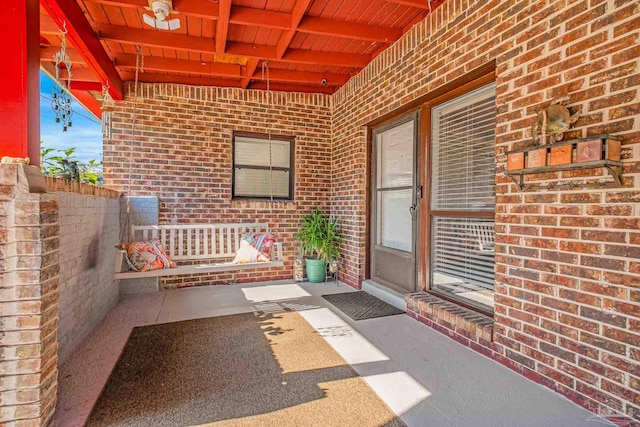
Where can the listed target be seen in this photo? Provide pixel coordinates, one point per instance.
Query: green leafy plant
(320, 236)
(51, 164)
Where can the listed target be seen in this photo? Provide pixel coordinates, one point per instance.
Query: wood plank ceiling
(224, 42)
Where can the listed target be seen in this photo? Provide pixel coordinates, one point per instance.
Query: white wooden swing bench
(197, 242)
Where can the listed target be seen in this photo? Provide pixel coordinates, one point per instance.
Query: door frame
(372, 225)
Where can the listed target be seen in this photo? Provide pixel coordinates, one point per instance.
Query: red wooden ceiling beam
(139, 36)
(136, 36)
(249, 70)
(230, 71)
(152, 63)
(204, 81)
(222, 26)
(134, 4)
(301, 56)
(200, 8)
(179, 79)
(83, 38)
(88, 101)
(258, 17)
(307, 77)
(197, 8)
(283, 87)
(352, 30)
(298, 12)
(421, 4)
(283, 21)
(86, 86)
(208, 10)
(251, 51)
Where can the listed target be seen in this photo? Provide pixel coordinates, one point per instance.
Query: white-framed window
(263, 168)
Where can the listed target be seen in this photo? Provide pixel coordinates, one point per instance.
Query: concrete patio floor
(425, 377)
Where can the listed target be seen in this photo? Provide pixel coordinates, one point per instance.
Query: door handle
(412, 209)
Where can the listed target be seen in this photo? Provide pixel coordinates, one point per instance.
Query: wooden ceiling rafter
(85, 98)
(222, 26)
(248, 16)
(307, 77)
(182, 79)
(249, 71)
(286, 87)
(216, 69)
(227, 14)
(420, 4)
(298, 12)
(86, 86)
(152, 63)
(67, 13)
(197, 8)
(137, 36)
(310, 47)
(351, 30)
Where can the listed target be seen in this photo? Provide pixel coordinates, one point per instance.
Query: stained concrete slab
(425, 377)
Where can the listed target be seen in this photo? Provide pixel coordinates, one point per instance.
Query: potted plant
(320, 239)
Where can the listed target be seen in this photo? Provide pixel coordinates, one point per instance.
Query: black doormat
(361, 305)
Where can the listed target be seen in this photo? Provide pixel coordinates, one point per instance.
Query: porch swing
(194, 243)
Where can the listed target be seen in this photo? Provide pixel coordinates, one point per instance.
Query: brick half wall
(89, 231)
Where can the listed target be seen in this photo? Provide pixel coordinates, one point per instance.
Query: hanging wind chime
(107, 107)
(60, 99)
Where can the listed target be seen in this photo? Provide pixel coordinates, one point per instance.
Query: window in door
(462, 199)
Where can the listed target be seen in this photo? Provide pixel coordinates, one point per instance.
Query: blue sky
(85, 134)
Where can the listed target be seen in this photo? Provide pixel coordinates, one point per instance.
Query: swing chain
(139, 69)
(265, 70)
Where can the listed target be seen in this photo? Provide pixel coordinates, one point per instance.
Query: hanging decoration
(60, 99)
(107, 107)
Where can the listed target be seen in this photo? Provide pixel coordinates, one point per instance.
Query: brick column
(29, 267)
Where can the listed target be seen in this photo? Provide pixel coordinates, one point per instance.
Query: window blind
(463, 180)
(255, 152)
(255, 183)
(463, 255)
(463, 153)
(253, 159)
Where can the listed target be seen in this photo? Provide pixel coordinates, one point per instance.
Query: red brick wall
(568, 260)
(182, 153)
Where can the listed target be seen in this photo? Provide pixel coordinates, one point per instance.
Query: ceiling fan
(161, 9)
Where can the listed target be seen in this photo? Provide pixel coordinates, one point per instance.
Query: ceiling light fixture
(161, 9)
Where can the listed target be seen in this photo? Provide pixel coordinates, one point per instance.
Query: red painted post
(20, 86)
